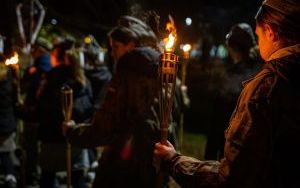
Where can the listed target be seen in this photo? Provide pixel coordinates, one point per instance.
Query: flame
(171, 39)
(186, 47)
(13, 60)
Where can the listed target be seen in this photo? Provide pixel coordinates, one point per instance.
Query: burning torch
(67, 106)
(14, 63)
(186, 56)
(167, 76)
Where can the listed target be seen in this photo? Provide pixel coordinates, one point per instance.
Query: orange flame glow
(13, 60)
(186, 47)
(171, 39)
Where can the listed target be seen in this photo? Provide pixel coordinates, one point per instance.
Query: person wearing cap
(265, 124)
(30, 83)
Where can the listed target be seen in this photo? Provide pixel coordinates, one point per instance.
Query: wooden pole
(168, 71)
(167, 80)
(67, 106)
(183, 80)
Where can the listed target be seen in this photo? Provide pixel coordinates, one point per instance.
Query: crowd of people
(254, 106)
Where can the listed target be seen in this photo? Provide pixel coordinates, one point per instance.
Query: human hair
(286, 26)
(241, 39)
(62, 48)
(123, 35)
(74, 63)
(135, 30)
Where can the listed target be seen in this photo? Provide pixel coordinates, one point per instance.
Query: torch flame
(13, 60)
(170, 41)
(186, 47)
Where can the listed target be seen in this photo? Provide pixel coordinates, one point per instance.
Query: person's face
(53, 56)
(266, 40)
(118, 49)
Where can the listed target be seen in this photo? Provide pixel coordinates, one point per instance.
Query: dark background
(213, 17)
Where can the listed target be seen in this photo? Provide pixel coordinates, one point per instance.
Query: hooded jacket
(126, 123)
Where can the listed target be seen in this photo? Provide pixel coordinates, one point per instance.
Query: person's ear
(271, 33)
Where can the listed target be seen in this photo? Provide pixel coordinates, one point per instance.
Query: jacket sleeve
(246, 147)
(102, 129)
(190, 172)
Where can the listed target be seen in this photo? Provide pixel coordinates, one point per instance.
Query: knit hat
(290, 8)
(241, 37)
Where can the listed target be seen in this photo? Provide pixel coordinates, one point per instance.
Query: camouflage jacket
(263, 128)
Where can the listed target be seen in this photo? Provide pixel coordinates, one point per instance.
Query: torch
(14, 63)
(67, 106)
(167, 78)
(167, 71)
(186, 55)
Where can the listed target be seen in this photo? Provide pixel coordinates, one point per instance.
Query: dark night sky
(98, 16)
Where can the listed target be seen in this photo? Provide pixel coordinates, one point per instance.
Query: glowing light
(186, 47)
(170, 42)
(53, 21)
(188, 21)
(88, 40)
(13, 60)
(171, 39)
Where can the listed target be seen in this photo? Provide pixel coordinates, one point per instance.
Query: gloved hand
(67, 126)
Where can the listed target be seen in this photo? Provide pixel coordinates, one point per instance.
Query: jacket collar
(284, 52)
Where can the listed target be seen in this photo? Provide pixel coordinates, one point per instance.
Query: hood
(142, 60)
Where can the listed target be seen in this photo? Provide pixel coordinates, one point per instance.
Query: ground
(192, 145)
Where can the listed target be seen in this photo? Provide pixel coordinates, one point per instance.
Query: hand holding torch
(167, 78)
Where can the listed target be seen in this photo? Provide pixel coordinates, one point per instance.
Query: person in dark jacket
(8, 122)
(265, 123)
(53, 143)
(30, 84)
(98, 73)
(244, 64)
(126, 124)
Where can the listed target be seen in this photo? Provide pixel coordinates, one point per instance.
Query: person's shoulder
(143, 60)
(261, 85)
(145, 53)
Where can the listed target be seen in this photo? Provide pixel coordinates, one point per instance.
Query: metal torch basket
(167, 78)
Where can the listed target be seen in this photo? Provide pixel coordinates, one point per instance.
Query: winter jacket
(49, 107)
(263, 129)
(126, 123)
(53, 143)
(8, 97)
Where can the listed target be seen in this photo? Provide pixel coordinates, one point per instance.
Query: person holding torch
(8, 121)
(127, 123)
(52, 110)
(265, 123)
